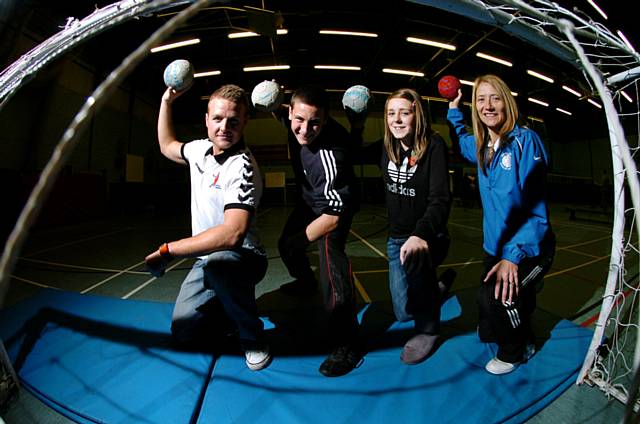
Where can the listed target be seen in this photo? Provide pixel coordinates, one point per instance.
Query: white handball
(178, 75)
(267, 96)
(356, 98)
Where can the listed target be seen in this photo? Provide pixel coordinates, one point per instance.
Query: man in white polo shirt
(225, 190)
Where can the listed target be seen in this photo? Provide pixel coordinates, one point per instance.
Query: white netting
(609, 65)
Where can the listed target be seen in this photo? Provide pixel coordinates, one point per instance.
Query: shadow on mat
(34, 327)
(300, 328)
(300, 323)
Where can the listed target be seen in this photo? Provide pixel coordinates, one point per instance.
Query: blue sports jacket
(515, 212)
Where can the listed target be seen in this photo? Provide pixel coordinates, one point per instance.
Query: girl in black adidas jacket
(414, 167)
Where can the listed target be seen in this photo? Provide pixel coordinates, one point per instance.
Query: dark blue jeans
(415, 295)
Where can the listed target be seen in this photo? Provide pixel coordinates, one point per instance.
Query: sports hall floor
(106, 258)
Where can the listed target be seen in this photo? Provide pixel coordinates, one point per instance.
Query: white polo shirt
(225, 181)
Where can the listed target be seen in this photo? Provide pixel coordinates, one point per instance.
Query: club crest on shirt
(505, 161)
(215, 184)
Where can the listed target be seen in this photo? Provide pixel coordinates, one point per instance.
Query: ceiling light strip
(206, 74)
(596, 104)
(403, 72)
(539, 75)
(266, 68)
(540, 102)
(494, 59)
(246, 34)
(566, 112)
(572, 91)
(431, 43)
(352, 33)
(175, 45)
(338, 67)
(625, 40)
(597, 8)
(626, 96)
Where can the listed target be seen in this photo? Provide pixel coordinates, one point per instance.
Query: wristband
(164, 252)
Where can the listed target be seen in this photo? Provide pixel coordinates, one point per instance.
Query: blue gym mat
(97, 359)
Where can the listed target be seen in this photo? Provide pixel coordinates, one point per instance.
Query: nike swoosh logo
(537, 157)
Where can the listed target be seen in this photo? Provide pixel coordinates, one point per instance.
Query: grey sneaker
(418, 348)
(257, 359)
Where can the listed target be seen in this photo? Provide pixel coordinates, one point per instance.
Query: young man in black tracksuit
(322, 161)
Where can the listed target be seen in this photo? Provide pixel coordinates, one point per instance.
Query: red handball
(448, 87)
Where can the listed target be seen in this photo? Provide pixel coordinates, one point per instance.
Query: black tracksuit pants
(335, 269)
(509, 324)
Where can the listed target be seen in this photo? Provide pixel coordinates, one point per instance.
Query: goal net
(611, 69)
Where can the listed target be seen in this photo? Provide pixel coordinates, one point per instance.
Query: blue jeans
(416, 295)
(219, 291)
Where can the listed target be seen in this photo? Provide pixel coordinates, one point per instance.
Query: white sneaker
(498, 367)
(257, 359)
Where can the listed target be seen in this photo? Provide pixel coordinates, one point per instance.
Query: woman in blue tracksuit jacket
(518, 240)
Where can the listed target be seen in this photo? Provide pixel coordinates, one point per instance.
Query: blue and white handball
(356, 98)
(267, 96)
(178, 75)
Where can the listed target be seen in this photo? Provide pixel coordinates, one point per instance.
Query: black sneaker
(342, 360)
(300, 287)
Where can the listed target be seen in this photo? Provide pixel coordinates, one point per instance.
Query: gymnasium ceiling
(303, 47)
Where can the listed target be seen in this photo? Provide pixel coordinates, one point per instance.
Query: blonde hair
(232, 93)
(421, 133)
(479, 128)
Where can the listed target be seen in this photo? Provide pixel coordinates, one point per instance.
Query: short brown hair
(312, 95)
